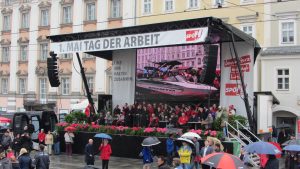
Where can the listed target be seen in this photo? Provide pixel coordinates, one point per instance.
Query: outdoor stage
(161, 77)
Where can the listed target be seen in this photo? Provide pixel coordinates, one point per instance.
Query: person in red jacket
(183, 119)
(105, 153)
(41, 136)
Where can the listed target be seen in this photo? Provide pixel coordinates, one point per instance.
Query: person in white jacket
(69, 140)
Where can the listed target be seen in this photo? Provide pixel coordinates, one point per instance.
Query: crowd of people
(15, 149)
(162, 115)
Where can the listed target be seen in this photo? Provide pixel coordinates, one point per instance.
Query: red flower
(149, 130)
(135, 128)
(206, 133)
(213, 133)
(121, 128)
(161, 130)
(196, 131)
(96, 126)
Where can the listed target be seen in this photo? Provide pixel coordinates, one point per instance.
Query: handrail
(240, 135)
(238, 132)
(239, 124)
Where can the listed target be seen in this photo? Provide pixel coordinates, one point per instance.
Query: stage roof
(216, 28)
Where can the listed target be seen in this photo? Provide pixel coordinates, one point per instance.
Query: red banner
(298, 122)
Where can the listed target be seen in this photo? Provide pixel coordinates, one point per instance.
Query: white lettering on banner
(184, 36)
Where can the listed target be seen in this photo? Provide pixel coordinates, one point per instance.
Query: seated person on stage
(183, 120)
(194, 118)
(108, 118)
(153, 121)
(173, 120)
(208, 121)
(101, 119)
(120, 121)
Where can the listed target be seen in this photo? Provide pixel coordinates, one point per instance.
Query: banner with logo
(123, 77)
(231, 89)
(184, 36)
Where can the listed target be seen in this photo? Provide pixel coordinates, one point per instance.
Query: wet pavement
(77, 162)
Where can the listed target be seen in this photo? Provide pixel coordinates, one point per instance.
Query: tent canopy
(219, 32)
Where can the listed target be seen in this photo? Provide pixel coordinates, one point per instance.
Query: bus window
(20, 121)
(36, 123)
(53, 121)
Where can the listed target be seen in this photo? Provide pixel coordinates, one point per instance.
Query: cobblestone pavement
(77, 162)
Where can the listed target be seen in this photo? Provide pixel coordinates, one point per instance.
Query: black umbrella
(150, 141)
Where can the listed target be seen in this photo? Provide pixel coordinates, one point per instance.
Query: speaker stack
(208, 72)
(53, 70)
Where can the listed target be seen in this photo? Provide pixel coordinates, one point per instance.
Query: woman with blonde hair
(49, 142)
(24, 159)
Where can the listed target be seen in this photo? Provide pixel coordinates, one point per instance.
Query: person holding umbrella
(146, 152)
(106, 151)
(185, 153)
(292, 159)
(272, 162)
(147, 157)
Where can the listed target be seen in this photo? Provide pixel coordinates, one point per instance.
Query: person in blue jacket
(147, 157)
(170, 149)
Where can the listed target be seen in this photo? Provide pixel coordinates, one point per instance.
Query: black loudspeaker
(53, 70)
(208, 73)
(104, 102)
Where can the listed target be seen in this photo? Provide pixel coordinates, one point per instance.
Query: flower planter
(123, 145)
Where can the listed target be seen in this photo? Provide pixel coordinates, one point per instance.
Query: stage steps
(244, 138)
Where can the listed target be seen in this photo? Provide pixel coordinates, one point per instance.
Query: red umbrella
(279, 148)
(4, 120)
(223, 161)
(70, 128)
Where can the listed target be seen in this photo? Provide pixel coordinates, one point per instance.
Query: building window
(43, 51)
(219, 3)
(6, 23)
(90, 82)
(4, 85)
(169, 5)
(5, 54)
(43, 89)
(283, 79)
(115, 8)
(65, 86)
(287, 32)
(67, 14)
(44, 17)
(23, 52)
(25, 20)
(248, 29)
(22, 85)
(7, 2)
(90, 11)
(147, 6)
(193, 4)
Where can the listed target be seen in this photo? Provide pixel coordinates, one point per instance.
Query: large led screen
(173, 74)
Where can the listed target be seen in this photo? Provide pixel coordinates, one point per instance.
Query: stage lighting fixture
(53, 70)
